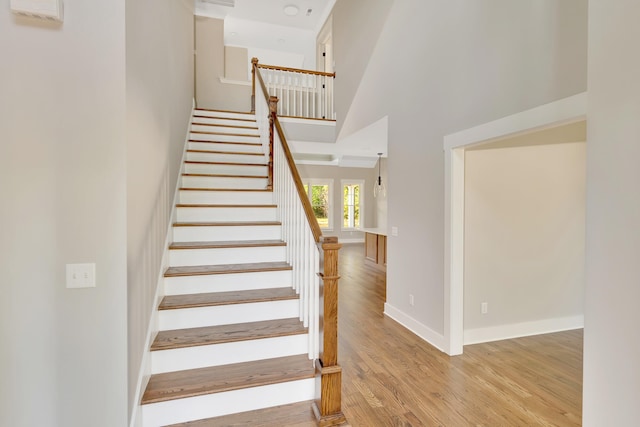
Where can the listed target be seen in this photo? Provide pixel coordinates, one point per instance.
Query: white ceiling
(284, 31)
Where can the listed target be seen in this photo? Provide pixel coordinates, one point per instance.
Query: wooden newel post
(254, 64)
(273, 111)
(328, 407)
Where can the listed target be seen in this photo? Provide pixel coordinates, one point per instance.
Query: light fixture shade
(291, 10)
(379, 188)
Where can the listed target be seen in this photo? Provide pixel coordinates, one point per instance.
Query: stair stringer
(144, 370)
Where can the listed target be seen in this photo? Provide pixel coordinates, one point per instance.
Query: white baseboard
(524, 329)
(424, 332)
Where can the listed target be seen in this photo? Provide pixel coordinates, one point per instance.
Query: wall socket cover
(81, 275)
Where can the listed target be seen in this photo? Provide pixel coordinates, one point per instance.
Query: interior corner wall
(211, 93)
(353, 46)
(524, 240)
(337, 173)
(611, 383)
(461, 64)
(63, 192)
(160, 73)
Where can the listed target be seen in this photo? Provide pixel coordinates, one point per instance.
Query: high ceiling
(283, 32)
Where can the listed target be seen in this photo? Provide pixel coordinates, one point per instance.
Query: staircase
(230, 340)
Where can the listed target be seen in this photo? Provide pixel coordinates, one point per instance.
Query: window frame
(361, 183)
(322, 181)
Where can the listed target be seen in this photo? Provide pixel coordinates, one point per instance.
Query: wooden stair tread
(226, 224)
(202, 381)
(213, 110)
(291, 415)
(204, 141)
(207, 335)
(224, 189)
(225, 152)
(173, 302)
(204, 132)
(202, 270)
(215, 175)
(201, 162)
(201, 116)
(205, 205)
(227, 244)
(225, 125)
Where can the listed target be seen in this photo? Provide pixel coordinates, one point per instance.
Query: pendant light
(379, 187)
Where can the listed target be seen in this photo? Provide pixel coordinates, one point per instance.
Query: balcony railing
(301, 93)
(314, 257)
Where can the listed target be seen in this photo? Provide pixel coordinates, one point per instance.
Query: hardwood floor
(392, 378)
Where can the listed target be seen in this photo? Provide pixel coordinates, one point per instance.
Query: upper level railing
(301, 93)
(314, 257)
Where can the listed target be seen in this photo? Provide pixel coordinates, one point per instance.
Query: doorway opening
(554, 115)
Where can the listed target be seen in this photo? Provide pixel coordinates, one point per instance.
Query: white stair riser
(253, 170)
(217, 135)
(224, 157)
(226, 197)
(225, 214)
(225, 114)
(223, 182)
(225, 122)
(227, 314)
(226, 233)
(219, 256)
(226, 128)
(227, 282)
(217, 146)
(218, 404)
(227, 353)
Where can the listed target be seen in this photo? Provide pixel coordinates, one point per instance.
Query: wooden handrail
(306, 204)
(296, 70)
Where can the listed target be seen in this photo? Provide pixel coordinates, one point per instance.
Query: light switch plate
(47, 9)
(81, 275)
(394, 231)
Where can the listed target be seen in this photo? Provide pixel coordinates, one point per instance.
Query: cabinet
(375, 249)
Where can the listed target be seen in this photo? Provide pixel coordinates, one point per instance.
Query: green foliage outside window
(351, 206)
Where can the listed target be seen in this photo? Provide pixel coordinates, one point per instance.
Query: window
(352, 204)
(320, 192)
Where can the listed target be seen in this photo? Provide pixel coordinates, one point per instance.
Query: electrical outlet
(411, 300)
(484, 308)
(81, 275)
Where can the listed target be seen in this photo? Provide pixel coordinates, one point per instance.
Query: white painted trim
(235, 82)
(144, 372)
(524, 329)
(564, 111)
(424, 332)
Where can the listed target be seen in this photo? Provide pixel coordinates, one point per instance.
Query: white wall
(63, 356)
(461, 64)
(524, 240)
(612, 342)
(159, 62)
(353, 46)
(337, 173)
(210, 91)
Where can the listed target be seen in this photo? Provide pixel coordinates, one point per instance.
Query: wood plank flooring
(392, 378)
